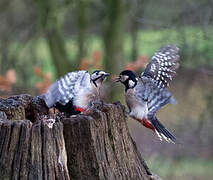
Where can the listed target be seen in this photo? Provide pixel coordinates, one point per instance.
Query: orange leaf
(37, 70)
(46, 80)
(138, 64)
(84, 65)
(7, 80)
(96, 56)
(11, 76)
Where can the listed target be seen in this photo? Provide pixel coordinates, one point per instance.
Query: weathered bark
(92, 146)
(22, 107)
(99, 146)
(32, 151)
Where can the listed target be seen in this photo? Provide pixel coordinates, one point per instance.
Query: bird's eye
(96, 73)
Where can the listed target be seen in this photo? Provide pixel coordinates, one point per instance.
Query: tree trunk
(52, 24)
(92, 146)
(114, 40)
(82, 24)
(99, 146)
(30, 151)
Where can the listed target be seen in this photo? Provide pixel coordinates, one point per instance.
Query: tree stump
(94, 146)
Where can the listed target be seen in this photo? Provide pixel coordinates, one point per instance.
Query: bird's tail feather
(162, 132)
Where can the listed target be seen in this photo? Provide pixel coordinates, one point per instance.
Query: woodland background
(42, 40)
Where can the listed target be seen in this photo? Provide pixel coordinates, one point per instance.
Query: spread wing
(157, 100)
(147, 90)
(66, 88)
(163, 65)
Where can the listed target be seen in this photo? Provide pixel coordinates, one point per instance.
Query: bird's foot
(88, 111)
(126, 114)
(98, 104)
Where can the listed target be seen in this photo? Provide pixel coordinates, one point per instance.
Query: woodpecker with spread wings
(146, 94)
(74, 92)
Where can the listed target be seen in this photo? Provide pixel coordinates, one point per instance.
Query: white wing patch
(67, 88)
(163, 65)
(153, 68)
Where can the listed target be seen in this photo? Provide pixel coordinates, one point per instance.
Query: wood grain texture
(32, 151)
(96, 145)
(99, 146)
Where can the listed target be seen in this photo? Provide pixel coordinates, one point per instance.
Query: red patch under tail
(77, 108)
(146, 123)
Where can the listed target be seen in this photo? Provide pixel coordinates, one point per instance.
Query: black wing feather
(66, 88)
(163, 65)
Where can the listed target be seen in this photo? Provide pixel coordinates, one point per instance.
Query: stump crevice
(97, 145)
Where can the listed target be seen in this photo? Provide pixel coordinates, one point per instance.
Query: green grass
(181, 169)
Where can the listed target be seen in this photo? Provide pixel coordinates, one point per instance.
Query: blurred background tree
(113, 35)
(42, 40)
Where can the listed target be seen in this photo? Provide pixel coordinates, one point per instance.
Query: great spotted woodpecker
(146, 94)
(74, 92)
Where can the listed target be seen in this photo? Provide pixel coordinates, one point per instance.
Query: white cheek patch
(131, 83)
(93, 76)
(97, 76)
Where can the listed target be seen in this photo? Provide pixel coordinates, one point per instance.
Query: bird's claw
(96, 104)
(126, 114)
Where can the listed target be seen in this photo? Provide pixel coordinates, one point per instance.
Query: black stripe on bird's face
(98, 77)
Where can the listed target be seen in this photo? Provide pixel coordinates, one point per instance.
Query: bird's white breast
(85, 96)
(82, 98)
(138, 109)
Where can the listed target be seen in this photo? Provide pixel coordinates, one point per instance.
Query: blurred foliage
(42, 40)
(152, 41)
(56, 35)
(7, 80)
(43, 85)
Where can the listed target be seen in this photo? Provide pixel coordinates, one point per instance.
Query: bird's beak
(117, 79)
(107, 74)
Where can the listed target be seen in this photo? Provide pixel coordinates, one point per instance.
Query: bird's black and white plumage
(75, 91)
(146, 94)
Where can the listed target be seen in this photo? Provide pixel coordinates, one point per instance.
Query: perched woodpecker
(74, 92)
(146, 94)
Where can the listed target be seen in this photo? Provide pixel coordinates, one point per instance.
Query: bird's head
(98, 77)
(127, 78)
